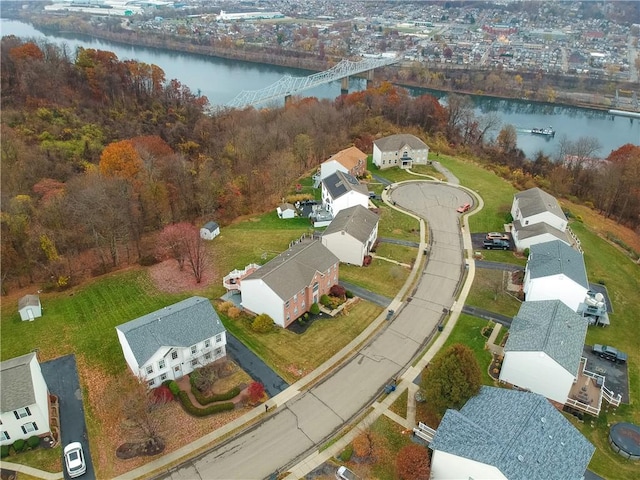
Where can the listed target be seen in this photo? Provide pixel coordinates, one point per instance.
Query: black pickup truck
(496, 243)
(609, 353)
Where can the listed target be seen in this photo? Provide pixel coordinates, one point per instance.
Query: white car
(74, 460)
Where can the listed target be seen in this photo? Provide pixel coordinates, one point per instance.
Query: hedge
(33, 441)
(191, 409)
(204, 400)
(174, 387)
(19, 445)
(4, 451)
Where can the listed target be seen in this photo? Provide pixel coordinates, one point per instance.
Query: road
(311, 417)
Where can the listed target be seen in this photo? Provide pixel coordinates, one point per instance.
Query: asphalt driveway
(616, 375)
(61, 376)
(368, 295)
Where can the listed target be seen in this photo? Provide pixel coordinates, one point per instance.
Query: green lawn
(399, 253)
(395, 224)
(381, 277)
(397, 174)
(488, 292)
(47, 459)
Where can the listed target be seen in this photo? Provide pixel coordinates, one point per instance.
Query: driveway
(368, 295)
(487, 315)
(616, 375)
(61, 376)
(396, 241)
(510, 267)
(254, 366)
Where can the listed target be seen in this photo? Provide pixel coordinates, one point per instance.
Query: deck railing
(424, 432)
(232, 280)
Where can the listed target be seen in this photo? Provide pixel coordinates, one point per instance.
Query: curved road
(310, 417)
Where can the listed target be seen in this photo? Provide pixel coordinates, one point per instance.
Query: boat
(550, 132)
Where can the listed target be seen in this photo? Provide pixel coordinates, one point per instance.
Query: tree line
(100, 154)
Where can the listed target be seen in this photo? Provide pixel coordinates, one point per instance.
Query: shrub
(225, 306)
(306, 316)
(33, 441)
(203, 378)
(256, 392)
(347, 453)
(263, 323)
(162, 394)
(148, 260)
(19, 445)
(314, 309)
(525, 252)
(174, 388)
(325, 300)
(221, 397)
(412, 463)
(4, 451)
(233, 312)
(348, 294)
(362, 446)
(338, 291)
(191, 409)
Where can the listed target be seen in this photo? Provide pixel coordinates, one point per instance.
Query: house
(350, 160)
(286, 287)
(173, 341)
(533, 207)
(286, 210)
(341, 190)
(508, 434)
(556, 271)
(402, 150)
(29, 307)
(209, 231)
(24, 398)
(351, 234)
(544, 349)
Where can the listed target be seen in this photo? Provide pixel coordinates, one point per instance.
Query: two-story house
(24, 398)
(401, 150)
(341, 190)
(351, 160)
(173, 341)
(286, 287)
(351, 234)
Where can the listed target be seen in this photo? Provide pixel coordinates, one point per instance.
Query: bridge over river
(289, 85)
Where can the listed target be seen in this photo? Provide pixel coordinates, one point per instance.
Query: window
(176, 368)
(161, 364)
(286, 304)
(194, 349)
(22, 412)
(207, 343)
(218, 338)
(207, 356)
(149, 369)
(4, 436)
(303, 304)
(218, 351)
(163, 377)
(295, 297)
(151, 382)
(194, 362)
(295, 311)
(29, 427)
(174, 355)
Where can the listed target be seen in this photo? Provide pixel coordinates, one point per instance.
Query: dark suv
(497, 243)
(609, 353)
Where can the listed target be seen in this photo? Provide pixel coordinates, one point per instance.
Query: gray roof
(286, 206)
(211, 226)
(394, 143)
(295, 268)
(519, 433)
(16, 383)
(555, 258)
(179, 325)
(339, 183)
(551, 327)
(534, 201)
(28, 301)
(536, 229)
(356, 221)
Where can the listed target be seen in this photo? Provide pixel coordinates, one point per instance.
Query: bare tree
(195, 253)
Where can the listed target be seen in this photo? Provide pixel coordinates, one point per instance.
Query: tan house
(402, 150)
(351, 234)
(351, 160)
(286, 287)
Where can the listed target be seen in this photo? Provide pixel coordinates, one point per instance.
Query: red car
(464, 208)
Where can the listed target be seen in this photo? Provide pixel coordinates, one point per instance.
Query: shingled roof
(16, 383)
(28, 301)
(551, 327)
(179, 325)
(555, 258)
(536, 229)
(356, 221)
(349, 157)
(534, 201)
(393, 143)
(519, 433)
(292, 270)
(339, 183)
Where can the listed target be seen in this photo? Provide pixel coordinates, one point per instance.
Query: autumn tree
(363, 445)
(451, 378)
(412, 463)
(182, 241)
(120, 159)
(507, 139)
(255, 392)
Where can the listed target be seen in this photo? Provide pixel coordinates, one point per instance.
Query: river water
(220, 80)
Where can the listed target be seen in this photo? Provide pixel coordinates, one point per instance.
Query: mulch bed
(301, 327)
(132, 450)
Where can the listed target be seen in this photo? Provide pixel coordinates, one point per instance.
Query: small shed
(209, 231)
(29, 307)
(286, 210)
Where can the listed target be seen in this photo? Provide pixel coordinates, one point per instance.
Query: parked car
(609, 353)
(343, 473)
(464, 208)
(496, 236)
(496, 243)
(74, 460)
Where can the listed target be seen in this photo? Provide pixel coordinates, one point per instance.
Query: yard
(488, 292)
(380, 276)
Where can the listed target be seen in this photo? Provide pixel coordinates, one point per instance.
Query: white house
(286, 210)
(209, 231)
(508, 434)
(24, 398)
(174, 341)
(402, 150)
(544, 348)
(556, 271)
(351, 160)
(351, 234)
(341, 190)
(286, 287)
(532, 207)
(29, 307)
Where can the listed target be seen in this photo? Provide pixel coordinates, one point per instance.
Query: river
(220, 80)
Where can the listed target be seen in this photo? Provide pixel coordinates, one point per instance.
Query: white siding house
(544, 348)
(341, 190)
(526, 237)
(556, 271)
(351, 234)
(501, 433)
(29, 307)
(24, 398)
(209, 231)
(350, 160)
(286, 287)
(174, 341)
(402, 150)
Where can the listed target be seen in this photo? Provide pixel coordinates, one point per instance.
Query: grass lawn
(488, 292)
(508, 256)
(399, 253)
(382, 277)
(400, 405)
(292, 355)
(397, 174)
(395, 224)
(47, 459)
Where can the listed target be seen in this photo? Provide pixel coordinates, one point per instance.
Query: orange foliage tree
(27, 51)
(412, 463)
(120, 159)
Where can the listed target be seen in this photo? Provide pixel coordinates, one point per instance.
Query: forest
(98, 155)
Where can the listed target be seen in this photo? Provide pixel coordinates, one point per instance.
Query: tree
(183, 243)
(263, 323)
(507, 139)
(255, 392)
(412, 463)
(120, 159)
(452, 378)
(363, 445)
